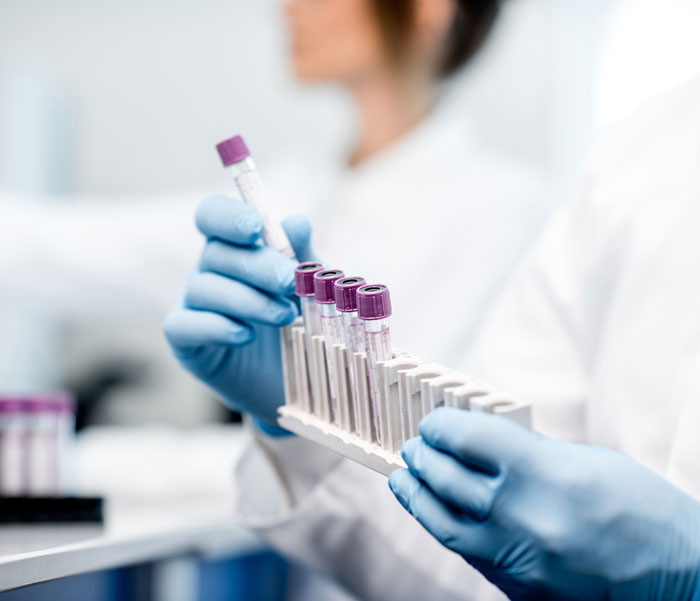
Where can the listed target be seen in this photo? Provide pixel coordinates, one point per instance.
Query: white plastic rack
(408, 388)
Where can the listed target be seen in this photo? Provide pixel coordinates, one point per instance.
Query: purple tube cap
(324, 285)
(346, 293)
(232, 151)
(373, 302)
(304, 277)
(10, 404)
(36, 404)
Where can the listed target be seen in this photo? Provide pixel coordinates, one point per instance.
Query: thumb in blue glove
(546, 519)
(225, 329)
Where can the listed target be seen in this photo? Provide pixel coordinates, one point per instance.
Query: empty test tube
(236, 157)
(331, 327)
(353, 331)
(374, 309)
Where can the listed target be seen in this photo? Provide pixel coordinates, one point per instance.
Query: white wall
(154, 85)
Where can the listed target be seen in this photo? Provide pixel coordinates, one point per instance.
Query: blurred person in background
(413, 149)
(413, 141)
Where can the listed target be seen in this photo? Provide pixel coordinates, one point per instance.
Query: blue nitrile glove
(225, 329)
(546, 519)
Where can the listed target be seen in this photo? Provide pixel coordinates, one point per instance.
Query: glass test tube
(353, 333)
(236, 157)
(42, 463)
(331, 328)
(374, 309)
(12, 458)
(304, 289)
(63, 413)
(311, 314)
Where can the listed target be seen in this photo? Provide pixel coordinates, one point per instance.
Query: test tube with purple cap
(304, 289)
(41, 460)
(374, 309)
(62, 408)
(353, 330)
(331, 327)
(236, 157)
(12, 434)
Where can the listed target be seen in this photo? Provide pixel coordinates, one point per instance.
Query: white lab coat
(443, 222)
(601, 330)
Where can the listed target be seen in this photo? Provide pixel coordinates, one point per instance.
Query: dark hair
(472, 23)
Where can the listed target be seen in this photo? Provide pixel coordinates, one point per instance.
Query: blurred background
(110, 111)
(118, 104)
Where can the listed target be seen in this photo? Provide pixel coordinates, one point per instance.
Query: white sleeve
(96, 256)
(341, 519)
(539, 341)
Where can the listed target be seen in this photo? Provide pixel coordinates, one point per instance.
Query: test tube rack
(408, 386)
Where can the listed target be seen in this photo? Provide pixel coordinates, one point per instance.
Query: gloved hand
(546, 519)
(225, 329)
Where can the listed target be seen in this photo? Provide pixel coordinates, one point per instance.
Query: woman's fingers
(229, 219)
(258, 266)
(298, 229)
(450, 480)
(234, 230)
(486, 442)
(218, 294)
(455, 531)
(187, 329)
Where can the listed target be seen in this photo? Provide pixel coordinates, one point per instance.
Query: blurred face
(334, 40)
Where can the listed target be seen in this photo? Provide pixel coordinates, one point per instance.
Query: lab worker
(398, 64)
(601, 330)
